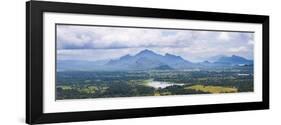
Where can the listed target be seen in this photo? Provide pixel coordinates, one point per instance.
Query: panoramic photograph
(111, 61)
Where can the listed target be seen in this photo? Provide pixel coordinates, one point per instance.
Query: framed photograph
(95, 62)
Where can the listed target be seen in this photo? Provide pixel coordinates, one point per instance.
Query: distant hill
(163, 67)
(234, 60)
(214, 58)
(223, 61)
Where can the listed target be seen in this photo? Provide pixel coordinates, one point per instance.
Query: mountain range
(147, 60)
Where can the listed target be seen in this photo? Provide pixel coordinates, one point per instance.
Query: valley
(108, 84)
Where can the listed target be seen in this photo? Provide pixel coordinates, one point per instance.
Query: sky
(94, 43)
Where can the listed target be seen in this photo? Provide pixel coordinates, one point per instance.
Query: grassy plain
(213, 89)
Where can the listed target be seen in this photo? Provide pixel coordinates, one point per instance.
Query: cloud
(81, 37)
(251, 42)
(239, 49)
(224, 36)
(102, 43)
(94, 54)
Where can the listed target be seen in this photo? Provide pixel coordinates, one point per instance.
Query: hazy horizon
(202, 60)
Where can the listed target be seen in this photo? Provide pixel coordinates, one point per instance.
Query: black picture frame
(34, 61)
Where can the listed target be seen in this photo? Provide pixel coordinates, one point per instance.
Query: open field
(213, 89)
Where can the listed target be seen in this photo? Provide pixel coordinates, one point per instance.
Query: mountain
(148, 59)
(233, 60)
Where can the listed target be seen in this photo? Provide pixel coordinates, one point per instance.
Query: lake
(158, 84)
